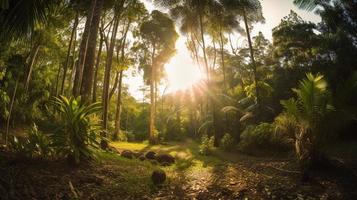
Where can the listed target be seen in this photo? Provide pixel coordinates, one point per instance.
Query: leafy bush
(257, 136)
(227, 142)
(305, 116)
(77, 132)
(262, 136)
(206, 145)
(36, 145)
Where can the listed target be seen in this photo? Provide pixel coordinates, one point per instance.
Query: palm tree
(249, 11)
(19, 18)
(304, 116)
(306, 4)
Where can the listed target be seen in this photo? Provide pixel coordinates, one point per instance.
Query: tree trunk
(97, 65)
(88, 70)
(10, 112)
(83, 51)
(152, 136)
(30, 67)
(118, 109)
(222, 61)
(107, 73)
(252, 57)
(119, 98)
(65, 69)
(115, 85)
(57, 80)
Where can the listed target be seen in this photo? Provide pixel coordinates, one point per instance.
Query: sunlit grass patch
(134, 146)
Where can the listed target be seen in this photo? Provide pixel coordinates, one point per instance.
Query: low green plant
(227, 142)
(35, 145)
(257, 136)
(207, 144)
(305, 117)
(77, 132)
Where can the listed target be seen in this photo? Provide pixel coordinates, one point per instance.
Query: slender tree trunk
(10, 112)
(118, 109)
(115, 85)
(97, 65)
(75, 24)
(73, 64)
(119, 98)
(152, 136)
(83, 51)
(252, 57)
(88, 70)
(57, 80)
(222, 60)
(107, 73)
(204, 45)
(30, 67)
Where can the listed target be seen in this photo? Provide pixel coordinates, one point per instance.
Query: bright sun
(182, 74)
(181, 71)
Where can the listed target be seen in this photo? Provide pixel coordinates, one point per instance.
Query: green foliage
(227, 142)
(35, 145)
(305, 116)
(207, 144)
(77, 132)
(257, 136)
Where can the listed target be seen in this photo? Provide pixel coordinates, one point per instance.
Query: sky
(182, 68)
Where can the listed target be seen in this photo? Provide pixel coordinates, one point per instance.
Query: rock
(158, 177)
(113, 150)
(165, 159)
(142, 158)
(150, 155)
(137, 154)
(104, 144)
(154, 162)
(127, 154)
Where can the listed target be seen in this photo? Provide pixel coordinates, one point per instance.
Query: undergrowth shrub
(262, 136)
(77, 132)
(227, 142)
(207, 144)
(36, 144)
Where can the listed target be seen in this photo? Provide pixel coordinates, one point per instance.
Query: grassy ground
(193, 176)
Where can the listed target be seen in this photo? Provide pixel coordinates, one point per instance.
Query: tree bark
(252, 57)
(222, 61)
(30, 67)
(88, 70)
(118, 109)
(83, 51)
(152, 136)
(65, 69)
(97, 65)
(107, 73)
(119, 98)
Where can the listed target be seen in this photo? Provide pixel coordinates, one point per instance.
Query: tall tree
(250, 11)
(88, 69)
(159, 32)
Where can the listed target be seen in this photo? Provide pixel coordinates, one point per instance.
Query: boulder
(137, 154)
(127, 154)
(158, 177)
(150, 155)
(154, 162)
(104, 144)
(142, 158)
(113, 150)
(165, 159)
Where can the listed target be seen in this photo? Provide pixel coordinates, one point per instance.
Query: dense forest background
(62, 65)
